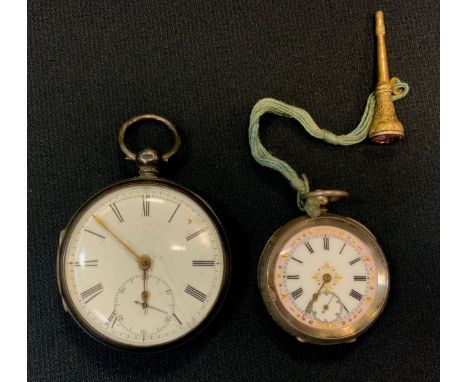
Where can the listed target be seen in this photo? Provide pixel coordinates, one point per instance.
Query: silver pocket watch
(144, 264)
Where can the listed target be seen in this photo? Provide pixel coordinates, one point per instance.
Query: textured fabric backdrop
(92, 65)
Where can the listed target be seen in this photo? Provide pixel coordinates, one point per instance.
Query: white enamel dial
(108, 290)
(326, 277)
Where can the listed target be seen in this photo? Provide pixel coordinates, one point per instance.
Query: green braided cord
(301, 184)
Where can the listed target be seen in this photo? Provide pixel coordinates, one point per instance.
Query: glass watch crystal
(143, 264)
(324, 280)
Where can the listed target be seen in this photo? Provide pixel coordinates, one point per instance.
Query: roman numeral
(174, 213)
(177, 318)
(146, 205)
(326, 243)
(344, 245)
(116, 212)
(356, 295)
(195, 234)
(86, 263)
(309, 247)
(292, 277)
(203, 263)
(360, 278)
(297, 293)
(195, 293)
(112, 319)
(94, 233)
(299, 261)
(92, 292)
(352, 262)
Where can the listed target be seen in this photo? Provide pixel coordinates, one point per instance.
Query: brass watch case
(271, 297)
(64, 242)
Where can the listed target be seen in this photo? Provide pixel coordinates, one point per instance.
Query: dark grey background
(92, 65)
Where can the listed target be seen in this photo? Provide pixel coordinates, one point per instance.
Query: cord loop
(309, 201)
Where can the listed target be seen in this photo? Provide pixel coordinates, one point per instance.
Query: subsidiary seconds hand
(325, 307)
(151, 307)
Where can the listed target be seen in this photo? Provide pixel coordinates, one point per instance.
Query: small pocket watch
(144, 264)
(325, 279)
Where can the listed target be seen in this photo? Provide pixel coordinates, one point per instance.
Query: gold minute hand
(125, 245)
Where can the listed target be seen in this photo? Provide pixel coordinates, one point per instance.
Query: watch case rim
(276, 310)
(60, 268)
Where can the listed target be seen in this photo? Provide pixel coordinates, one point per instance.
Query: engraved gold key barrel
(385, 128)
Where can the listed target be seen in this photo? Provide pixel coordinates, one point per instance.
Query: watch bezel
(271, 296)
(61, 257)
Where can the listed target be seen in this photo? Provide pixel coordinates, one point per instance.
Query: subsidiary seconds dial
(130, 304)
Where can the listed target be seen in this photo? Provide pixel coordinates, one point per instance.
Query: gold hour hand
(326, 279)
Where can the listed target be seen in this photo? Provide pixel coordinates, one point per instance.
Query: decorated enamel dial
(144, 264)
(324, 280)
